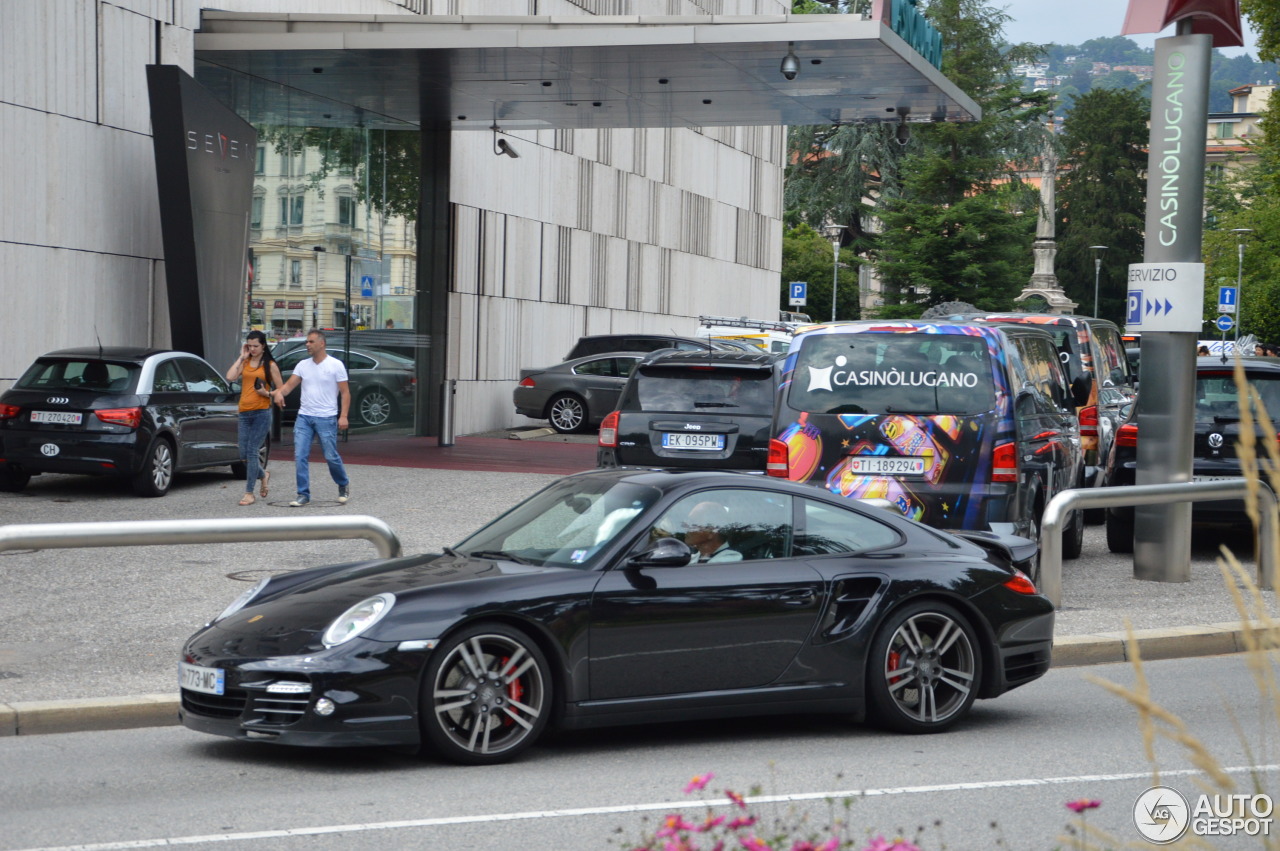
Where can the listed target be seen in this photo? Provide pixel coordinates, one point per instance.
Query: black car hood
(291, 622)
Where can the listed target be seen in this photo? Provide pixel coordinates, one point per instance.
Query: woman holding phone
(257, 373)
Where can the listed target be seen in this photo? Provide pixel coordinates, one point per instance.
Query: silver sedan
(576, 394)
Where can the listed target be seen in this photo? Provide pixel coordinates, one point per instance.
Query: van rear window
(893, 374)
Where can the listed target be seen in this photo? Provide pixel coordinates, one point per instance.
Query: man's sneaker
(344, 494)
(300, 501)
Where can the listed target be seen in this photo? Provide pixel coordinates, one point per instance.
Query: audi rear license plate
(887, 465)
(60, 417)
(205, 680)
(692, 440)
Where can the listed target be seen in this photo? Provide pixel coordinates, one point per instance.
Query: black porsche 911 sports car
(627, 596)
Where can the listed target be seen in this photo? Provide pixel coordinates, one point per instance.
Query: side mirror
(665, 552)
(1080, 388)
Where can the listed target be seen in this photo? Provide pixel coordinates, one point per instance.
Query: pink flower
(743, 821)
(736, 798)
(699, 782)
(832, 844)
(897, 844)
(672, 825)
(1083, 804)
(753, 843)
(710, 823)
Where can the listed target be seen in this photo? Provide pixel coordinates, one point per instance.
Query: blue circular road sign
(1225, 323)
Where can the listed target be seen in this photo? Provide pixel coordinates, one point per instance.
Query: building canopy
(542, 72)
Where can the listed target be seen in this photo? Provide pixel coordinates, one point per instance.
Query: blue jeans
(305, 429)
(254, 426)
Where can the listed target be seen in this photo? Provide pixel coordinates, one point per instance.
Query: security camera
(903, 133)
(790, 64)
(504, 148)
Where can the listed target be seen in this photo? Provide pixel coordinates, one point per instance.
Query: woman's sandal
(266, 480)
(247, 499)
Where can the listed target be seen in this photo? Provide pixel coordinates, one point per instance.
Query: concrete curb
(161, 710)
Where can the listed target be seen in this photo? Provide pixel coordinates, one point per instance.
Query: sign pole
(1175, 201)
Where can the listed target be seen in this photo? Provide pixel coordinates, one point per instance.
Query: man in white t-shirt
(322, 413)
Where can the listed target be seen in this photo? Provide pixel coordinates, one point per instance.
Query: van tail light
(1020, 582)
(527, 381)
(131, 417)
(1089, 421)
(778, 462)
(608, 429)
(1127, 435)
(1004, 463)
(9, 412)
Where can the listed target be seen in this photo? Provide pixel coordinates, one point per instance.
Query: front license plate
(681, 440)
(1215, 478)
(60, 417)
(206, 680)
(887, 465)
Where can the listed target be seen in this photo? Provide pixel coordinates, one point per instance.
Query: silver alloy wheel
(489, 695)
(375, 406)
(567, 413)
(160, 470)
(929, 668)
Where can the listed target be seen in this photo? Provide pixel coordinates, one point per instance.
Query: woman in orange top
(257, 372)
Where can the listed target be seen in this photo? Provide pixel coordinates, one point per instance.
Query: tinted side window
(290, 360)
(1113, 356)
(827, 529)
(200, 377)
(354, 360)
(1043, 379)
(168, 379)
(602, 366)
(753, 524)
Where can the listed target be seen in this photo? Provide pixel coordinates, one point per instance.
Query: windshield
(565, 525)
(1216, 396)
(78, 374)
(893, 374)
(694, 390)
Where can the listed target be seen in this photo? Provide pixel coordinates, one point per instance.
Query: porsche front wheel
(486, 695)
(925, 669)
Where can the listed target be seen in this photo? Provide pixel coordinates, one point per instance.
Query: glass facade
(332, 229)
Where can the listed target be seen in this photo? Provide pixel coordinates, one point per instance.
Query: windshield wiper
(450, 551)
(499, 554)
(1225, 418)
(715, 405)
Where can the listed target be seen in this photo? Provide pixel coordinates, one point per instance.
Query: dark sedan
(1217, 431)
(627, 597)
(138, 413)
(575, 394)
(381, 384)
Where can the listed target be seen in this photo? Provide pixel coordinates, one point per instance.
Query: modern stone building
(646, 190)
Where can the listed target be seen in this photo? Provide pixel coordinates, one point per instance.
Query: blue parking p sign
(799, 289)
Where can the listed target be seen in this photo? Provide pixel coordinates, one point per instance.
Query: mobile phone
(258, 385)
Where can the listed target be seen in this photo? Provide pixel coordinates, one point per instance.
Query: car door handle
(796, 597)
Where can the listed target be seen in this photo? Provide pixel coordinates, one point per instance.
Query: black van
(958, 426)
(705, 410)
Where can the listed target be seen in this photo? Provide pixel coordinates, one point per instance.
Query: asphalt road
(1000, 779)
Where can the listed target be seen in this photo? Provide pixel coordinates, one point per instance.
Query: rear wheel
(1119, 532)
(567, 413)
(156, 474)
(925, 669)
(12, 481)
(1073, 536)
(374, 407)
(486, 695)
(239, 469)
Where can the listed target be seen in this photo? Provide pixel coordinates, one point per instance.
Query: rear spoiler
(1018, 551)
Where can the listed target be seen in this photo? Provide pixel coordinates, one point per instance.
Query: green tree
(1117, 80)
(952, 235)
(808, 256)
(1102, 196)
(1265, 16)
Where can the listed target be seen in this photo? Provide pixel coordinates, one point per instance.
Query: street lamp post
(1098, 251)
(1239, 232)
(834, 232)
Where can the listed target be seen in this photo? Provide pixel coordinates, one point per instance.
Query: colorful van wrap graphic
(905, 411)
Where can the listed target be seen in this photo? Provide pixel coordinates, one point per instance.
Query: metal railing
(1059, 508)
(135, 533)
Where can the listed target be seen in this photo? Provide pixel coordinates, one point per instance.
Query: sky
(1043, 21)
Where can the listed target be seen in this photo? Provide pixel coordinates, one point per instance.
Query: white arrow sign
(1165, 297)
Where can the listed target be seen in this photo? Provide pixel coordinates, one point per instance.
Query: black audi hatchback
(138, 413)
(705, 410)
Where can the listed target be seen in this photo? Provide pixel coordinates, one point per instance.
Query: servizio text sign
(1165, 297)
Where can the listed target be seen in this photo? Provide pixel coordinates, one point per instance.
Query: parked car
(1217, 431)
(381, 384)
(583, 607)
(601, 343)
(575, 394)
(960, 426)
(1093, 353)
(710, 410)
(137, 413)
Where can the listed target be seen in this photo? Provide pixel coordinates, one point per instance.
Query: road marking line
(637, 808)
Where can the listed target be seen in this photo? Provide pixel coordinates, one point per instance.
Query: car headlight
(357, 619)
(244, 599)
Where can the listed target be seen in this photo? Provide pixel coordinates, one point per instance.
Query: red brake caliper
(515, 690)
(895, 660)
